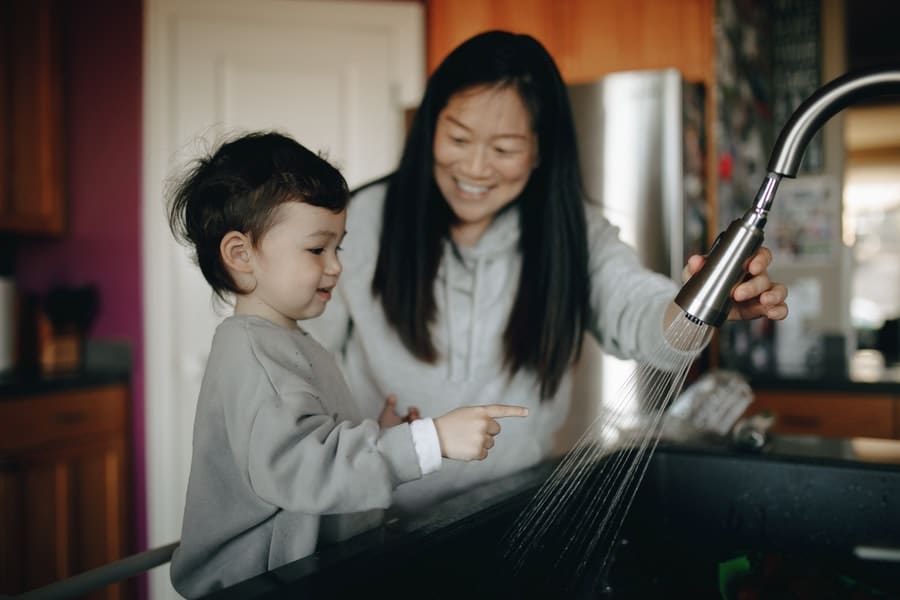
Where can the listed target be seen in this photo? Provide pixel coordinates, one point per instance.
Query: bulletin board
(796, 68)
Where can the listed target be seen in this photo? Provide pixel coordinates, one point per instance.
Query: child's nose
(333, 265)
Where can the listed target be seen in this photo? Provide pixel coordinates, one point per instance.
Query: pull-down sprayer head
(706, 297)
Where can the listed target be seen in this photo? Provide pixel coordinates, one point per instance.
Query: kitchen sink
(803, 518)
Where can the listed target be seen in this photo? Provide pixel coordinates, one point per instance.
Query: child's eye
(339, 249)
(317, 251)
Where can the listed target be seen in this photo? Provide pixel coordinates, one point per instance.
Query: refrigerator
(642, 138)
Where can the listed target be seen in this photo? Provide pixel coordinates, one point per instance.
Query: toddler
(281, 458)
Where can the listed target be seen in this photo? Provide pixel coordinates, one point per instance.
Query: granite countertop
(866, 371)
(105, 362)
(382, 549)
(887, 383)
(15, 384)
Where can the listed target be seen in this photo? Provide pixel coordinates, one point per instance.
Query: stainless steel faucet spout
(823, 104)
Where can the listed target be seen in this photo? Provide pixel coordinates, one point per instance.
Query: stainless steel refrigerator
(642, 144)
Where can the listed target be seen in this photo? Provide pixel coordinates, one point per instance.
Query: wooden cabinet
(64, 481)
(587, 38)
(830, 414)
(32, 196)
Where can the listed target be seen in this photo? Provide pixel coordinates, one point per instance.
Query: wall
(102, 112)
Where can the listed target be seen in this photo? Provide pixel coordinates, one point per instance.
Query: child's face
(295, 265)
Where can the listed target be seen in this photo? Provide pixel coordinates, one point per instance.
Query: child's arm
(467, 433)
(301, 459)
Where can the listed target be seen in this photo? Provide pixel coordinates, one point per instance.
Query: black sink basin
(808, 524)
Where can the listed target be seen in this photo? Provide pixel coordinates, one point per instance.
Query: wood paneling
(32, 130)
(588, 39)
(829, 414)
(64, 495)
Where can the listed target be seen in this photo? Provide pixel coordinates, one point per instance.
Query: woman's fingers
(753, 287)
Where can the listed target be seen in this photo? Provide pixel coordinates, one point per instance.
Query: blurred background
(104, 323)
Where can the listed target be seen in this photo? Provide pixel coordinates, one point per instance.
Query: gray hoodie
(474, 290)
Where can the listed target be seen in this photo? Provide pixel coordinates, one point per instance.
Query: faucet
(706, 297)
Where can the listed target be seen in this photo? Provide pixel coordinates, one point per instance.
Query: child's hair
(239, 186)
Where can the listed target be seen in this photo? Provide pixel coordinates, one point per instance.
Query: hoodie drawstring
(451, 375)
(473, 321)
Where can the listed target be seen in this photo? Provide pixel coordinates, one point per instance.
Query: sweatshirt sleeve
(628, 301)
(300, 459)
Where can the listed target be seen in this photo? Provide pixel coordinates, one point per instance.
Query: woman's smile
(471, 189)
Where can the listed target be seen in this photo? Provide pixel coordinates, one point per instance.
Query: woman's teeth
(472, 189)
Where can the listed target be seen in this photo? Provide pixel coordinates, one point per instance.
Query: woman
(474, 270)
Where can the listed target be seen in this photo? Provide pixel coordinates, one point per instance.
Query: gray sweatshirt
(281, 457)
(474, 297)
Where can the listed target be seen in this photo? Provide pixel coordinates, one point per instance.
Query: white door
(335, 75)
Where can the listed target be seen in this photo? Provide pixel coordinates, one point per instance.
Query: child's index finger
(496, 411)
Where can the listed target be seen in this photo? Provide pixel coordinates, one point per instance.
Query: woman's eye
(457, 140)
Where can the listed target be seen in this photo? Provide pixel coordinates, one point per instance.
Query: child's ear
(236, 249)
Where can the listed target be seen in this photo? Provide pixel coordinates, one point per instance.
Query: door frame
(405, 22)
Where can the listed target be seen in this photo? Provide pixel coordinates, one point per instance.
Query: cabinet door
(11, 497)
(5, 85)
(828, 414)
(64, 487)
(587, 38)
(32, 200)
(70, 511)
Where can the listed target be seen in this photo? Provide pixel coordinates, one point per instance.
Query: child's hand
(467, 433)
(389, 416)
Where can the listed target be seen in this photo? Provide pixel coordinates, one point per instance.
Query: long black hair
(547, 322)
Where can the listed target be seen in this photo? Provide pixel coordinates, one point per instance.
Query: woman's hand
(756, 297)
(467, 433)
(389, 416)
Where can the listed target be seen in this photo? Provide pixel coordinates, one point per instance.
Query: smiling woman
(476, 269)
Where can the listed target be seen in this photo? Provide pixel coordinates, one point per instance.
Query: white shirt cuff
(427, 445)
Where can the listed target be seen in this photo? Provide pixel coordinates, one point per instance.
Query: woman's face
(484, 152)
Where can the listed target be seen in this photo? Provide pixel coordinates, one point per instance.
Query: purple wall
(103, 70)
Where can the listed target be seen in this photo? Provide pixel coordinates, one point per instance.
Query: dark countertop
(888, 383)
(105, 362)
(391, 551)
(15, 384)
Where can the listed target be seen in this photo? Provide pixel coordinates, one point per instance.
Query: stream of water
(576, 515)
